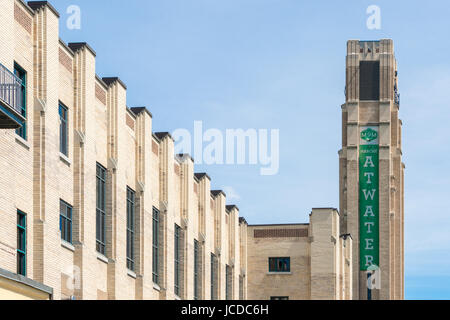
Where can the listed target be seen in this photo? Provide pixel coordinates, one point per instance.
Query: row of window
(65, 225)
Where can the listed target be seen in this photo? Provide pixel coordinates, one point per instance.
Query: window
(155, 245)
(213, 277)
(241, 287)
(21, 243)
(228, 283)
(22, 75)
(177, 259)
(369, 80)
(279, 298)
(63, 129)
(65, 221)
(101, 209)
(130, 228)
(279, 264)
(196, 269)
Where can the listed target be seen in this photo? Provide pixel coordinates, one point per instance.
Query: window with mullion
(228, 283)
(130, 228)
(63, 130)
(177, 259)
(65, 221)
(101, 210)
(213, 277)
(155, 245)
(20, 73)
(21, 243)
(279, 264)
(196, 269)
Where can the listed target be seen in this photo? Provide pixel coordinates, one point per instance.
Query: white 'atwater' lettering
(369, 193)
(369, 162)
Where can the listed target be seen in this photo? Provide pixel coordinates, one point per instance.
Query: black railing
(11, 89)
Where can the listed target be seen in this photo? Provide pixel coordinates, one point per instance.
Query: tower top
(371, 71)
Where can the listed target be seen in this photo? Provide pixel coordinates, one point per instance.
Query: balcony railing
(11, 99)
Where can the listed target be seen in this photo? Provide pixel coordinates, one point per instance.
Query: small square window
(279, 264)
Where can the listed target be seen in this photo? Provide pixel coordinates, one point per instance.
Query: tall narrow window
(369, 80)
(21, 243)
(63, 130)
(22, 75)
(155, 245)
(177, 259)
(213, 277)
(196, 269)
(101, 210)
(65, 221)
(228, 283)
(130, 228)
(241, 287)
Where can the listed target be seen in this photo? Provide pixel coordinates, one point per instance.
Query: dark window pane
(369, 81)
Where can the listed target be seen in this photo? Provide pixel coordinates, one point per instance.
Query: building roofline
(215, 193)
(242, 220)
(182, 156)
(110, 80)
(201, 175)
(76, 46)
(278, 225)
(61, 41)
(333, 209)
(27, 7)
(132, 114)
(154, 136)
(138, 110)
(26, 281)
(162, 135)
(231, 207)
(97, 77)
(37, 5)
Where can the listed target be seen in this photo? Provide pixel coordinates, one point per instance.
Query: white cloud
(231, 193)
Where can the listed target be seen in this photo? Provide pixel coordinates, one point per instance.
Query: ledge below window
(67, 245)
(24, 143)
(279, 273)
(102, 258)
(156, 287)
(131, 274)
(64, 159)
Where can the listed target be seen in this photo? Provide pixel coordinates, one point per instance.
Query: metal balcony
(11, 100)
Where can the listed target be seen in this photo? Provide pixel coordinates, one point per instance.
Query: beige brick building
(300, 262)
(95, 205)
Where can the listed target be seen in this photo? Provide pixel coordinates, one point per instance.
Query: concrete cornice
(61, 42)
(26, 7)
(37, 5)
(26, 281)
(77, 46)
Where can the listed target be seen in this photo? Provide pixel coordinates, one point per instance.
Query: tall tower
(371, 170)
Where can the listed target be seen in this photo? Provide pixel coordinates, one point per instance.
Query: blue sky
(280, 64)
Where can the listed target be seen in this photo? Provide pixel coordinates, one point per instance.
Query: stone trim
(26, 281)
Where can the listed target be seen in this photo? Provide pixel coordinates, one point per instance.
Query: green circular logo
(369, 134)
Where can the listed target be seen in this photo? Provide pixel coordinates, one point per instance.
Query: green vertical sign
(369, 199)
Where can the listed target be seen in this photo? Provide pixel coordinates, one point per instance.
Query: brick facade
(35, 177)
